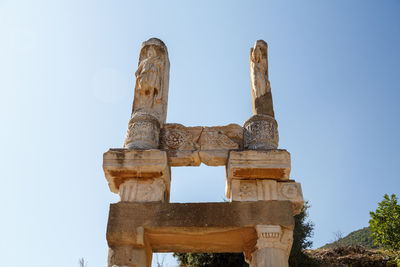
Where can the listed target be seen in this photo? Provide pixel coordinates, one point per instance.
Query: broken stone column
(149, 111)
(261, 130)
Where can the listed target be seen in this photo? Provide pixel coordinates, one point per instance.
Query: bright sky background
(66, 89)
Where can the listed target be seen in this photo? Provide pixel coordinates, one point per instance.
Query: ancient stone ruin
(259, 219)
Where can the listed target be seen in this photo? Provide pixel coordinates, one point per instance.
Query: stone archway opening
(198, 184)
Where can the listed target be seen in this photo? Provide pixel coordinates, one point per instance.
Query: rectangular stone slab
(123, 164)
(191, 146)
(191, 227)
(257, 164)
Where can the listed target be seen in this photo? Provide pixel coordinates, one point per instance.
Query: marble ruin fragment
(261, 130)
(149, 110)
(259, 219)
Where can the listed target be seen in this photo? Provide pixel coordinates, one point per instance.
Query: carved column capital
(274, 236)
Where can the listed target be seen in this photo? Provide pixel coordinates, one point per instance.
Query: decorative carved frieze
(261, 133)
(143, 132)
(190, 146)
(143, 190)
(265, 189)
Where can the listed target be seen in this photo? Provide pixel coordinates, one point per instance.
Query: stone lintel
(191, 146)
(194, 227)
(122, 165)
(257, 164)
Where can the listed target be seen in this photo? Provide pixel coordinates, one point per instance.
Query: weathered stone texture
(257, 164)
(259, 220)
(267, 189)
(191, 146)
(191, 227)
(260, 85)
(149, 109)
(138, 175)
(261, 133)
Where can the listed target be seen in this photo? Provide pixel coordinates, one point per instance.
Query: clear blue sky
(66, 89)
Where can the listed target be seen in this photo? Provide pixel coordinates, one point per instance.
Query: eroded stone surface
(259, 221)
(143, 132)
(273, 246)
(191, 227)
(144, 190)
(274, 236)
(121, 165)
(191, 146)
(266, 189)
(149, 109)
(260, 85)
(257, 164)
(152, 80)
(261, 133)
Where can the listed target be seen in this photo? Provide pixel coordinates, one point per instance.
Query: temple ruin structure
(258, 220)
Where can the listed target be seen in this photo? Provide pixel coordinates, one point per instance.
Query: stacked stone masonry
(259, 219)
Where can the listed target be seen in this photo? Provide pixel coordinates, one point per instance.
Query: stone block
(194, 227)
(191, 146)
(141, 169)
(144, 190)
(265, 189)
(257, 164)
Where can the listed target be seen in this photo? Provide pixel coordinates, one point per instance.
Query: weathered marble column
(261, 130)
(273, 246)
(149, 109)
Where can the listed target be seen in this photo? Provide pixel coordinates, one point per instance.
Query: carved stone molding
(257, 164)
(274, 236)
(141, 169)
(261, 133)
(191, 146)
(265, 189)
(143, 132)
(144, 190)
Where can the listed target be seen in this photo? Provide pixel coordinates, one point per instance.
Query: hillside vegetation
(360, 237)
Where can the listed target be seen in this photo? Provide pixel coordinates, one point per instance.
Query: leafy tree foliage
(211, 259)
(385, 223)
(301, 240)
(303, 231)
